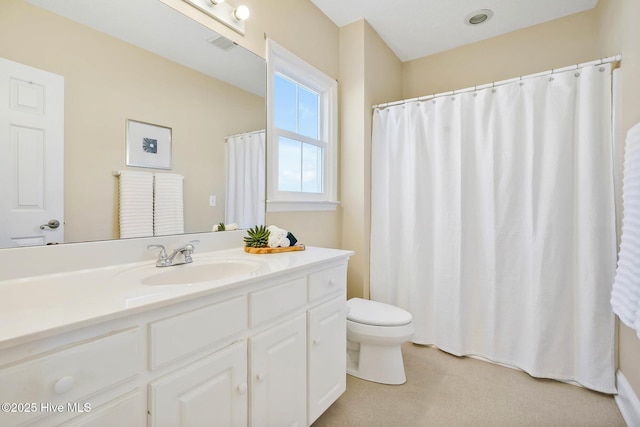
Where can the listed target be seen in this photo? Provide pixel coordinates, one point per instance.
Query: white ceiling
(417, 28)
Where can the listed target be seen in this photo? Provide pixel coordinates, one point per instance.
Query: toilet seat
(375, 334)
(375, 313)
(379, 334)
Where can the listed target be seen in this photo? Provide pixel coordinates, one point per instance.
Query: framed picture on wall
(148, 145)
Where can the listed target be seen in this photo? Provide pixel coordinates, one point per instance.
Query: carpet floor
(446, 390)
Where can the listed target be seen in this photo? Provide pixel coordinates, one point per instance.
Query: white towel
(625, 296)
(168, 207)
(277, 237)
(227, 227)
(136, 204)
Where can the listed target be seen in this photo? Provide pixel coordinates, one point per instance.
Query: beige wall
(369, 73)
(300, 27)
(352, 167)
(108, 81)
(542, 47)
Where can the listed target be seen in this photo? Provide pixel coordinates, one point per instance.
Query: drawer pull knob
(331, 282)
(242, 388)
(261, 376)
(316, 341)
(64, 384)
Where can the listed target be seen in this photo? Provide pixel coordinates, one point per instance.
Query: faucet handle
(163, 251)
(188, 251)
(161, 247)
(190, 246)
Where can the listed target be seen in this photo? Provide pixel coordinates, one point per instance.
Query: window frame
(281, 61)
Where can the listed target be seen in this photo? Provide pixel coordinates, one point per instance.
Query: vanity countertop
(40, 306)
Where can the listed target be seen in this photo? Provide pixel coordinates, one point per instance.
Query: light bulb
(242, 13)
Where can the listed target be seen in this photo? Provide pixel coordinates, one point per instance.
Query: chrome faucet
(165, 261)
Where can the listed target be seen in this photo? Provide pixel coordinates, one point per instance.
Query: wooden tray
(297, 247)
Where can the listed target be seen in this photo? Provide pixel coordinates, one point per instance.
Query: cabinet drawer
(127, 410)
(171, 339)
(275, 301)
(327, 282)
(67, 376)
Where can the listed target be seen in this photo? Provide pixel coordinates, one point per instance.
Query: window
(302, 135)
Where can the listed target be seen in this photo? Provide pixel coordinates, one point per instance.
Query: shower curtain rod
(243, 134)
(601, 61)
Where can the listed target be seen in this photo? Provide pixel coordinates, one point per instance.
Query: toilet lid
(376, 313)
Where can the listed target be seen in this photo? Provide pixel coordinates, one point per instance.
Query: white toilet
(375, 332)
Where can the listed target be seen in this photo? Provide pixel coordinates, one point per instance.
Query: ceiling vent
(222, 42)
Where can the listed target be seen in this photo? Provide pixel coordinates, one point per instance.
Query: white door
(210, 392)
(327, 355)
(279, 375)
(32, 159)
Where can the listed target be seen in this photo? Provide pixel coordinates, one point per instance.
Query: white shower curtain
(245, 203)
(493, 223)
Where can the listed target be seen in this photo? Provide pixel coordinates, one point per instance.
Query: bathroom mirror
(137, 60)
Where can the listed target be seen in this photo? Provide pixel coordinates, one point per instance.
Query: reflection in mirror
(125, 60)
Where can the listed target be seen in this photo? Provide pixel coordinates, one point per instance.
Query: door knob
(54, 223)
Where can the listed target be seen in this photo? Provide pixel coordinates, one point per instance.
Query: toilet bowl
(375, 332)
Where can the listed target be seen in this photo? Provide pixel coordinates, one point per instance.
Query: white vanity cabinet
(267, 352)
(294, 362)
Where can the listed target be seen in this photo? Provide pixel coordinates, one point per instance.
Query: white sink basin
(203, 270)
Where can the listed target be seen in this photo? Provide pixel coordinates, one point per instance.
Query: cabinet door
(279, 375)
(327, 355)
(209, 392)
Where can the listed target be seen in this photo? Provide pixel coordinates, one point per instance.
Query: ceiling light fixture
(230, 16)
(242, 13)
(478, 17)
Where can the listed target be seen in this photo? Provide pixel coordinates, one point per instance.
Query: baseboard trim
(627, 401)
